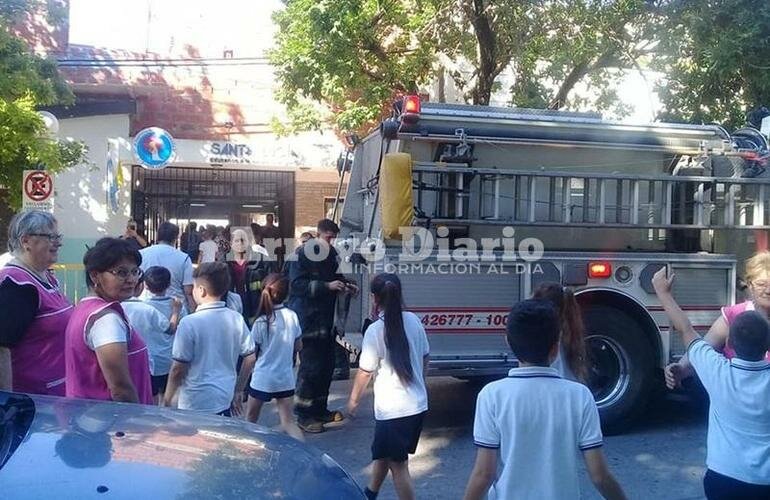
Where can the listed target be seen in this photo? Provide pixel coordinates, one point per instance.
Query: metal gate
(186, 193)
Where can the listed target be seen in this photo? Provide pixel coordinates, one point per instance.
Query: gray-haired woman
(35, 312)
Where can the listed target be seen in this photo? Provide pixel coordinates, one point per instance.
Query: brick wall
(312, 188)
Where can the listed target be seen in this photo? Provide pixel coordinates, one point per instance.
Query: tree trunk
(487, 70)
(578, 72)
(574, 76)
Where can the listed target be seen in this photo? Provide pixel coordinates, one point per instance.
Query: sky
(244, 26)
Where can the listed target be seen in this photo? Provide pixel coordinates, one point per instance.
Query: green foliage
(350, 56)
(341, 61)
(716, 57)
(27, 82)
(585, 43)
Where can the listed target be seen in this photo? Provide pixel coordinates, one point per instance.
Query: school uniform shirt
(210, 341)
(539, 422)
(234, 302)
(177, 262)
(208, 251)
(738, 442)
(274, 370)
(393, 399)
(155, 329)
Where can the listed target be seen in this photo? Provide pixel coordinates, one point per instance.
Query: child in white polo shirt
(155, 317)
(535, 423)
(277, 334)
(206, 348)
(738, 442)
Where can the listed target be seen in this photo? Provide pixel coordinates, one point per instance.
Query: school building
(214, 97)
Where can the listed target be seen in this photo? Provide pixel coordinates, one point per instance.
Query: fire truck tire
(621, 366)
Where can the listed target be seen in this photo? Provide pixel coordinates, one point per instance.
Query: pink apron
(84, 377)
(730, 313)
(38, 359)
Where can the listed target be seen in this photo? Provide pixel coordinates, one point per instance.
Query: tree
(28, 82)
(549, 46)
(350, 55)
(716, 57)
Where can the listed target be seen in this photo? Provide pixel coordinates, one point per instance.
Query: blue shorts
(269, 396)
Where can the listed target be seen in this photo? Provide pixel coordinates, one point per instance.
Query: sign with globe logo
(154, 148)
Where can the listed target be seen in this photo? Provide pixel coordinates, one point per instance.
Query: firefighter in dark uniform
(315, 284)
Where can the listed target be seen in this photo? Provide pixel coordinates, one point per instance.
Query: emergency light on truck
(599, 270)
(411, 109)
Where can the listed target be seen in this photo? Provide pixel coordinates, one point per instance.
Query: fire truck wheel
(621, 366)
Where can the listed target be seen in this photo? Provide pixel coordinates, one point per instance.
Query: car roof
(79, 448)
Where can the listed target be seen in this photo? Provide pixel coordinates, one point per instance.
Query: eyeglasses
(761, 284)
(52, 237)
(124, 273)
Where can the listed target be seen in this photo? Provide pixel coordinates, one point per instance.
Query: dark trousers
(316, 366)
(720, 487)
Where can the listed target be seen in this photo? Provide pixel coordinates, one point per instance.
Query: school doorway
(234, 196)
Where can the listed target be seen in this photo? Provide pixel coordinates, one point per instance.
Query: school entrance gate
(189, 193)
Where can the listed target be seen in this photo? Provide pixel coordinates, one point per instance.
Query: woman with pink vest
(33, 309)
(758, 278)
(106, 358)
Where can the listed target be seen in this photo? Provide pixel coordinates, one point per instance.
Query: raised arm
(679, 319)
(716, 336)
(176, 309)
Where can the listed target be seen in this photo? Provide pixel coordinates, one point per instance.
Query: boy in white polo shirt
(738, 442)
(534, 423)
(156, 319)
(206, 348)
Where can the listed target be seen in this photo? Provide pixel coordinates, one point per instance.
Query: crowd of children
(529, 428)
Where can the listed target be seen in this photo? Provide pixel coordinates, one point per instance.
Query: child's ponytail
(275, 288)
(573, 336)
(387, 290)
(572, 330)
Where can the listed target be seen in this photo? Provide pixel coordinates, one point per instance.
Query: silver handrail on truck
(539, 198)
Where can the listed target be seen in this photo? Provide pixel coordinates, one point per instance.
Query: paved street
(660, 458)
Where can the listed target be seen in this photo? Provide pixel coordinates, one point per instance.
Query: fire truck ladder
(452, 193)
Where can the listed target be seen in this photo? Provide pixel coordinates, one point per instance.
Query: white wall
(305, 150)
(80, 202)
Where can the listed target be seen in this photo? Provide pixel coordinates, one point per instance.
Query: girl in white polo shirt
(395, 351)
(571, 359)
(277, 335)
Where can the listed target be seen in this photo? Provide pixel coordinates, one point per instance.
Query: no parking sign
(37, 190)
